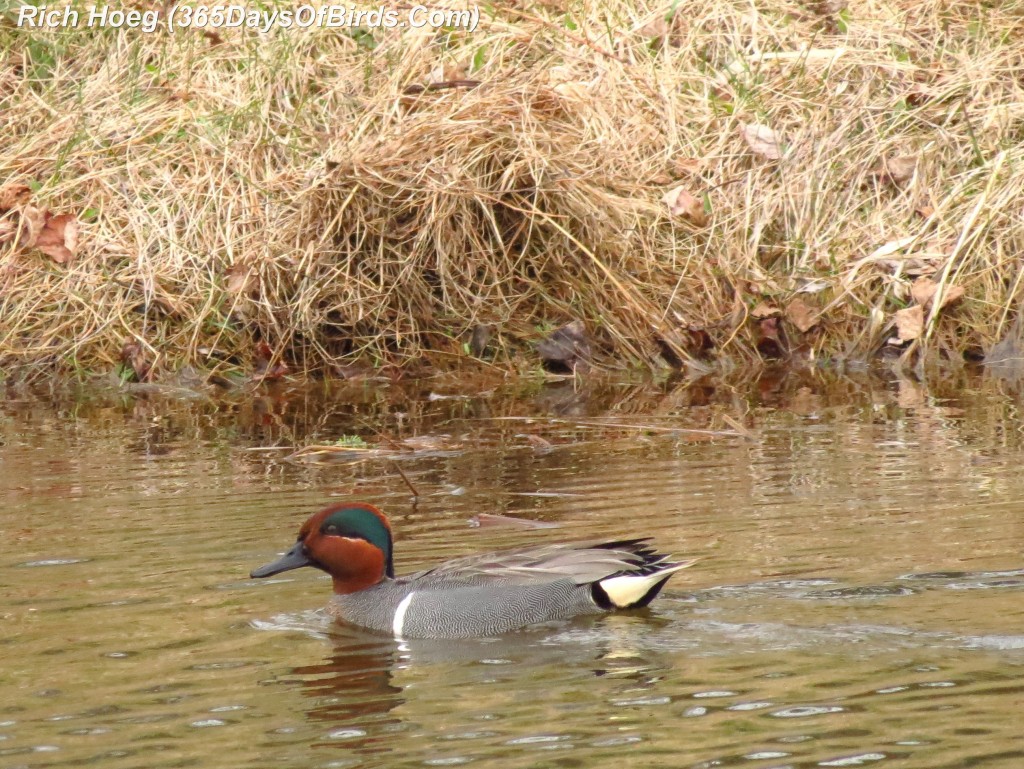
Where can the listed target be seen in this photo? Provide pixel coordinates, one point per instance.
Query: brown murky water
(860, 601)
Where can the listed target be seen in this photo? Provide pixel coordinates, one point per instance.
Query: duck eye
(331, 529)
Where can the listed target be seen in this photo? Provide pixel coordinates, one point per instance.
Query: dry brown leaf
(446, 72)
(8, 229)
(922, 92)
(770, 343)
(762, 140)
(562, 73)
(722, 95)
(765, 310)
(923, 292)
(951, 295)
(13, 194)
(896, 171)
(58, 238)
(134, 356)
(577, 89)
(240, 279)
(901, 169)
(909, 323)
(33, 220)
(687, 166)
(801, 315)
(925, 212)
(264, 366)
(566, 349)
(657, 27)
(681, 203)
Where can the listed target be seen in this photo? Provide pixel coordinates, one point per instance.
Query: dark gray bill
(295, 558)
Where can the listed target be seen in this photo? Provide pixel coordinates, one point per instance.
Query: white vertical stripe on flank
(399, 620)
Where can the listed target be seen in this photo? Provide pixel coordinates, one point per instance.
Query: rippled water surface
(859, 602)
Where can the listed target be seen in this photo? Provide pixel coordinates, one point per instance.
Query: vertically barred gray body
(499, 592)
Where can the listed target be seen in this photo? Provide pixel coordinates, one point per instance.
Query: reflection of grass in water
(351, 442)
(291, 187)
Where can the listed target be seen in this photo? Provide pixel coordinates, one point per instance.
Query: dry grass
(303, 188)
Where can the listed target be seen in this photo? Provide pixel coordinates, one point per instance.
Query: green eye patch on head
(359, 523)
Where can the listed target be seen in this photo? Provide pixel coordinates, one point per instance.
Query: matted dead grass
(691, 179)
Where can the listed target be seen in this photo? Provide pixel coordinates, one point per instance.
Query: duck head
(351, 542)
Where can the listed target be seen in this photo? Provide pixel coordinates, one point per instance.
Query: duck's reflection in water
(371, 687)
(352, 691)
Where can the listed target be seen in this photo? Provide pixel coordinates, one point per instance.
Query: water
(858, 602)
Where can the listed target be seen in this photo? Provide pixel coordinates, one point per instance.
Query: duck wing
(582, 563)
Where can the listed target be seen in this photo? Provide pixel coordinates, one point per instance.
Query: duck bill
(295, 558)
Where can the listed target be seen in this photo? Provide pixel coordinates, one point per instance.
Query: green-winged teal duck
(473, 596)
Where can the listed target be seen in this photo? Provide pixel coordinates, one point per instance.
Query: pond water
(859, 599)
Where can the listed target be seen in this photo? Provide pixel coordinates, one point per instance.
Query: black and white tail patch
(635, 590)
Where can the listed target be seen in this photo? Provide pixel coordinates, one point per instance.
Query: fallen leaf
(762, 140)
(723, 95)
(566, 349)
(909, 323)
(895, 171)
(33, 220)
(59, 237)
(134, 357)
(682, 204)
(770, 343)
(687, 166)
(801, 315)
(924, 289)
(163, 306)
(914, 268)
(918, 97)
(656, 28)
(951, 295)
(240, 278)
(891, 247)
(447, 71)
(765, 310)
(579, 90)
(13, 194)
(263, 357)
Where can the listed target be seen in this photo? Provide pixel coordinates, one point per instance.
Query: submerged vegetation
(684, 180)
